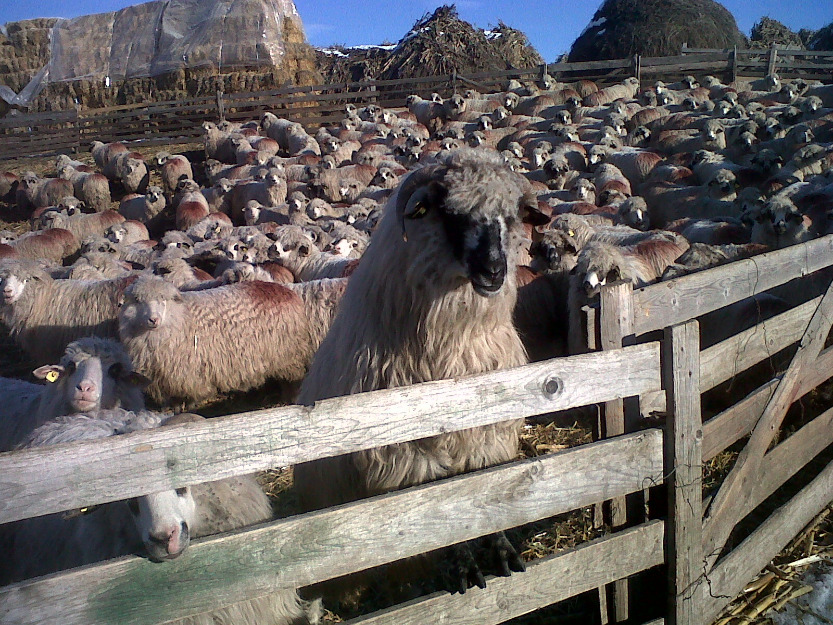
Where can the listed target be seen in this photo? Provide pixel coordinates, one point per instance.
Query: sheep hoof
(464, 569)
(506, 556)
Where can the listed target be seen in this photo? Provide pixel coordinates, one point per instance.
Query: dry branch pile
(437, 44)
(768, 32)
(622, 28)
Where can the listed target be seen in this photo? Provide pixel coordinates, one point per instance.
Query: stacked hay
(137, 54)
(622, 28)
(769, 32)
(821, 39)
(439, 43)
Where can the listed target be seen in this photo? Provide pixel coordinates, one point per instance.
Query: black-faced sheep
(161, 524)
(43, 315)
(93, 373)
(453, 230)
(195, 345)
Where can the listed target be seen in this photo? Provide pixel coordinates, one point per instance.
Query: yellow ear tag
(52, 376)
(571, 233)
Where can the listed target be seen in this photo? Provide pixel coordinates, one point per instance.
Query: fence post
(616, 323)
(221, 107)
(683, 473)
(773, 57)
(735, 64)
(637, 68)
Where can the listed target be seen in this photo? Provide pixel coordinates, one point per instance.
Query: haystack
(24, 50)
(768, 32)
(622, 28)
(439, 43)
(822, 39)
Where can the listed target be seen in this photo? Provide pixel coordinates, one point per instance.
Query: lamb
(173, 168)
(83, 225)
(93, 373)
(146, 208)
(196, 345)
(43, 315)
(453, 231)
(160, 524)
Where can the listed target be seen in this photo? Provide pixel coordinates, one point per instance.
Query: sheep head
(470, 204)
(15, 275)
(149, 303)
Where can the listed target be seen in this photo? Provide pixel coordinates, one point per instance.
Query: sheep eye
(133, 504)
(182, 492)
(69, 369)
(115, 370)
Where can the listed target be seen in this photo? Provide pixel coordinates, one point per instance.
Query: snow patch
(493, 34)
(819, 602)
(593, 24)
(331, 51)
(601, 32)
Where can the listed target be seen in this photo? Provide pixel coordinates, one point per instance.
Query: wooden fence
(180, 121)
(706, 573)
(305, 549)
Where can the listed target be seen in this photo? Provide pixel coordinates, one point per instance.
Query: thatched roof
(622, 28)
(768, 32)
(439, 43)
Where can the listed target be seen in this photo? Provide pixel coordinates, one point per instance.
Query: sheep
(190, 205)
(217, 143)
(668, 202)
(83, 225)
(93, 373)
(453, 232)
(90, 187)
(703, 256)
(127, 232)
(780, 223)
(146, 208)
(626, 90)
(130, 170)
(218, 196)
(103, 153)
(276, 128)
(196, 345)
(8, 185)
(213, 227)
(43, 314)
(36, 192)
(269, 192)
(299, 142)
(96, 266)
(53, 245)
(173, 168)
(295, 250)
(160, 524)
(178, 272)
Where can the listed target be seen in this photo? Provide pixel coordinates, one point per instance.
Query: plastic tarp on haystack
(164, 36)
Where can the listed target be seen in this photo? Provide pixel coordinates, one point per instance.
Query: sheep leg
(464, 568)
(506, 557)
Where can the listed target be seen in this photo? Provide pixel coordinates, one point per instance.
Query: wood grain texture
(321, 545)
(726, 359)
(545, 582)
(734, 571)
(667, 303)
(738, 420)
(725, 509)
(52, 479)
(684, 466)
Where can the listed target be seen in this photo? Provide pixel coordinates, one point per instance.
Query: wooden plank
(668, 303)
(321, 545)
(616, 323)
(546, 581)
(730, 500)
(254, 441)
(771, 60)
(728, 358)
(737, 421)
(734, 571)
(715, 66)
(684, 466)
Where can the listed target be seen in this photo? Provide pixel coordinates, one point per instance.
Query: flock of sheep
(493, 217)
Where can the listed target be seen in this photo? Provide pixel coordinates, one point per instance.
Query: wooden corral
(179, 121)
(632, 366)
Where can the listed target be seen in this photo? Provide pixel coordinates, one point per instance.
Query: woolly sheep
(161, 524)
(53, 245)
(453, 233)
(295, 250)
(172, 169)
(43, 315)
(36, 192)
(90, 187)
(146, 208)
(82, 225)
(195, 345)
(127, 232)
(93, 373)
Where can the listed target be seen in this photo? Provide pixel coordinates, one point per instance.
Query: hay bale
(622, 28)
(821, 39)
(768, 32)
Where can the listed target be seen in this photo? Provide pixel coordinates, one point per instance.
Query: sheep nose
(172, 538)
(153, 321)
(780, 227)
(86, 386)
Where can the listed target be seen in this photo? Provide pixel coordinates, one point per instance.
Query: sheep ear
(418, 184)
(531, 213)
(136, 379)
(50, 373)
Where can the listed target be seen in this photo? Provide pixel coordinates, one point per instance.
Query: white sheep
(453, 233)
(93, 373)
(160, 524)
(43, 315)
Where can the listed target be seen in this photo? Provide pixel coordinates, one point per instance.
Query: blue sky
(550, 25)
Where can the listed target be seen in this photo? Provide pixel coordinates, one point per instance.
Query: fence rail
(179, 121)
